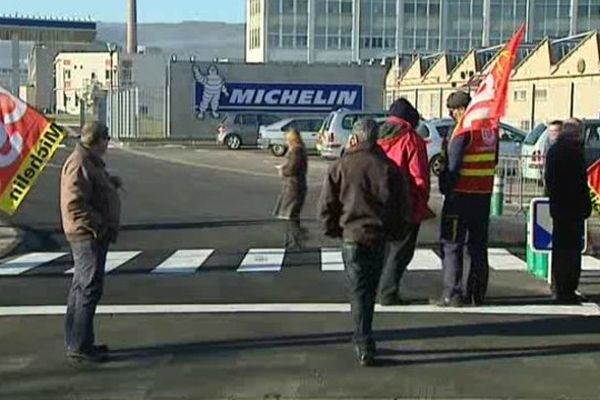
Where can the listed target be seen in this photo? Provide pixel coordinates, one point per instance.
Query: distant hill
(204, 40)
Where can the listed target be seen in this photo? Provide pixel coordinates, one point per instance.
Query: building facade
(353, 30)
(552, 79)
(80, 74)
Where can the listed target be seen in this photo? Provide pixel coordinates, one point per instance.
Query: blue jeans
(363, 269)
(89, 257)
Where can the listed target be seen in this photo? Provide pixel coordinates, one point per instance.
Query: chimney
(132, 27)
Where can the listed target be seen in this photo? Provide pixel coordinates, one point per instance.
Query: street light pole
(112, 48)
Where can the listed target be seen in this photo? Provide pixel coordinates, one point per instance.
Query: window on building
(320, 41)
(107, 74)
(525, 125)
(274, 39)
(93, 76)
(346, 6)
(67, 74)
(520, 95)
(541, 94)
(301, 41)
(287, 41)
(302, 6)
(333, 42)
(333, 7)
(346, 42)
(287, 6)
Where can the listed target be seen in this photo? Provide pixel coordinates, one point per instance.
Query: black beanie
(402, 108)
(458, 99)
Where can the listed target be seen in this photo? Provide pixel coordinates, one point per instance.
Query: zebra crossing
(254, 260)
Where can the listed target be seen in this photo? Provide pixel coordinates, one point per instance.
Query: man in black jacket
(365, 202)
(570, 206)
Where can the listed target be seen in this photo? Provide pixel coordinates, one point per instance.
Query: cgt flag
(27, 142)
(594, 184)
(488, 104)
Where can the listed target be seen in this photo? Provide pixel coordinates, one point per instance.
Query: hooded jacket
(403, 145)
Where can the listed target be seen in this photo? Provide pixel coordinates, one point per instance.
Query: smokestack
(132, 27)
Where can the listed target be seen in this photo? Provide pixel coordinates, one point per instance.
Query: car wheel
(436, 165)
(278, 150)
(233, 142)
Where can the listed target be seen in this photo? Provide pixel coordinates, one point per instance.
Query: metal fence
(135, 113)
(523, 179)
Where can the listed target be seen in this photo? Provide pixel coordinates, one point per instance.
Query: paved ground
(275, 326)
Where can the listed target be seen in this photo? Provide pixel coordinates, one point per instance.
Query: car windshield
(533, 136)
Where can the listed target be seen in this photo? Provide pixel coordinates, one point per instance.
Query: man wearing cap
(364, 202)
(403, 145)
(90, 211)
(467, 186)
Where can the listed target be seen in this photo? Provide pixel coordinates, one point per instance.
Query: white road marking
(24, 263)
(183, 262)
(114, 259)
(262, 260)
(590, 264)
(425, 260)
(332, 260)
(586, 309)
(502, 260)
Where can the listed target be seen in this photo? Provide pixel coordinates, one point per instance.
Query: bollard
(537, 262)
(497, 207)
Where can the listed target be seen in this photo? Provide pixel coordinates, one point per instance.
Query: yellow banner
(31, 168)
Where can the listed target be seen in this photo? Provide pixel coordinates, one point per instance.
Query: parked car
(533, 150)
(336, 129)
(273, 136)
(241, 129)
(434, 130)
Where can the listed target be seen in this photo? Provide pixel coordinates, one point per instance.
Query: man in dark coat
(570, 206)
(364, 201)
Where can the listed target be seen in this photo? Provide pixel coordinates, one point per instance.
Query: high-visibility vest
(479, 163)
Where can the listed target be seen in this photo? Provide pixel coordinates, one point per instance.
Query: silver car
(241, 129)
(273, 136)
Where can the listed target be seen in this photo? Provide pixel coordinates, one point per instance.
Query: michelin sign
(214, 95)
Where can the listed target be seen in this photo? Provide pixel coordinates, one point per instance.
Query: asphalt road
(279, 332)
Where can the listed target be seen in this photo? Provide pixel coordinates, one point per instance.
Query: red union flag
(27, 142)
(488, 104)
(594, 184)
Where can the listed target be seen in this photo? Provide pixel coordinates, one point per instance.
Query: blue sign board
(214, 94)
(540, 233)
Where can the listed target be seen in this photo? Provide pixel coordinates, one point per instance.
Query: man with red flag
(467, 183)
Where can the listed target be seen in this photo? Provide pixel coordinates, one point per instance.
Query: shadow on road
(559, 326)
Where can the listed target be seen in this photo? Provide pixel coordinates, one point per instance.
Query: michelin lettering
(215, 93)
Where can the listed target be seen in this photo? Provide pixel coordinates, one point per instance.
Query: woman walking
(290, 201)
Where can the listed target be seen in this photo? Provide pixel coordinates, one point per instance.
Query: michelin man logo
(214, 87)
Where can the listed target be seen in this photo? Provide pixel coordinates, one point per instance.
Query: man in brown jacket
(365, 202)
(90, 210)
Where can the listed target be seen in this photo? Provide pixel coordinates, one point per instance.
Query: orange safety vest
(479, 162)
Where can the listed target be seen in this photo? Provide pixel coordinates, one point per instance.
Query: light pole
(112, 48)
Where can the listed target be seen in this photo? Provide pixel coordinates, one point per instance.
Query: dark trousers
(89, 257)
(398, 254)
(567, 244)
(465, 216)
(363, 267)
(295, 234)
